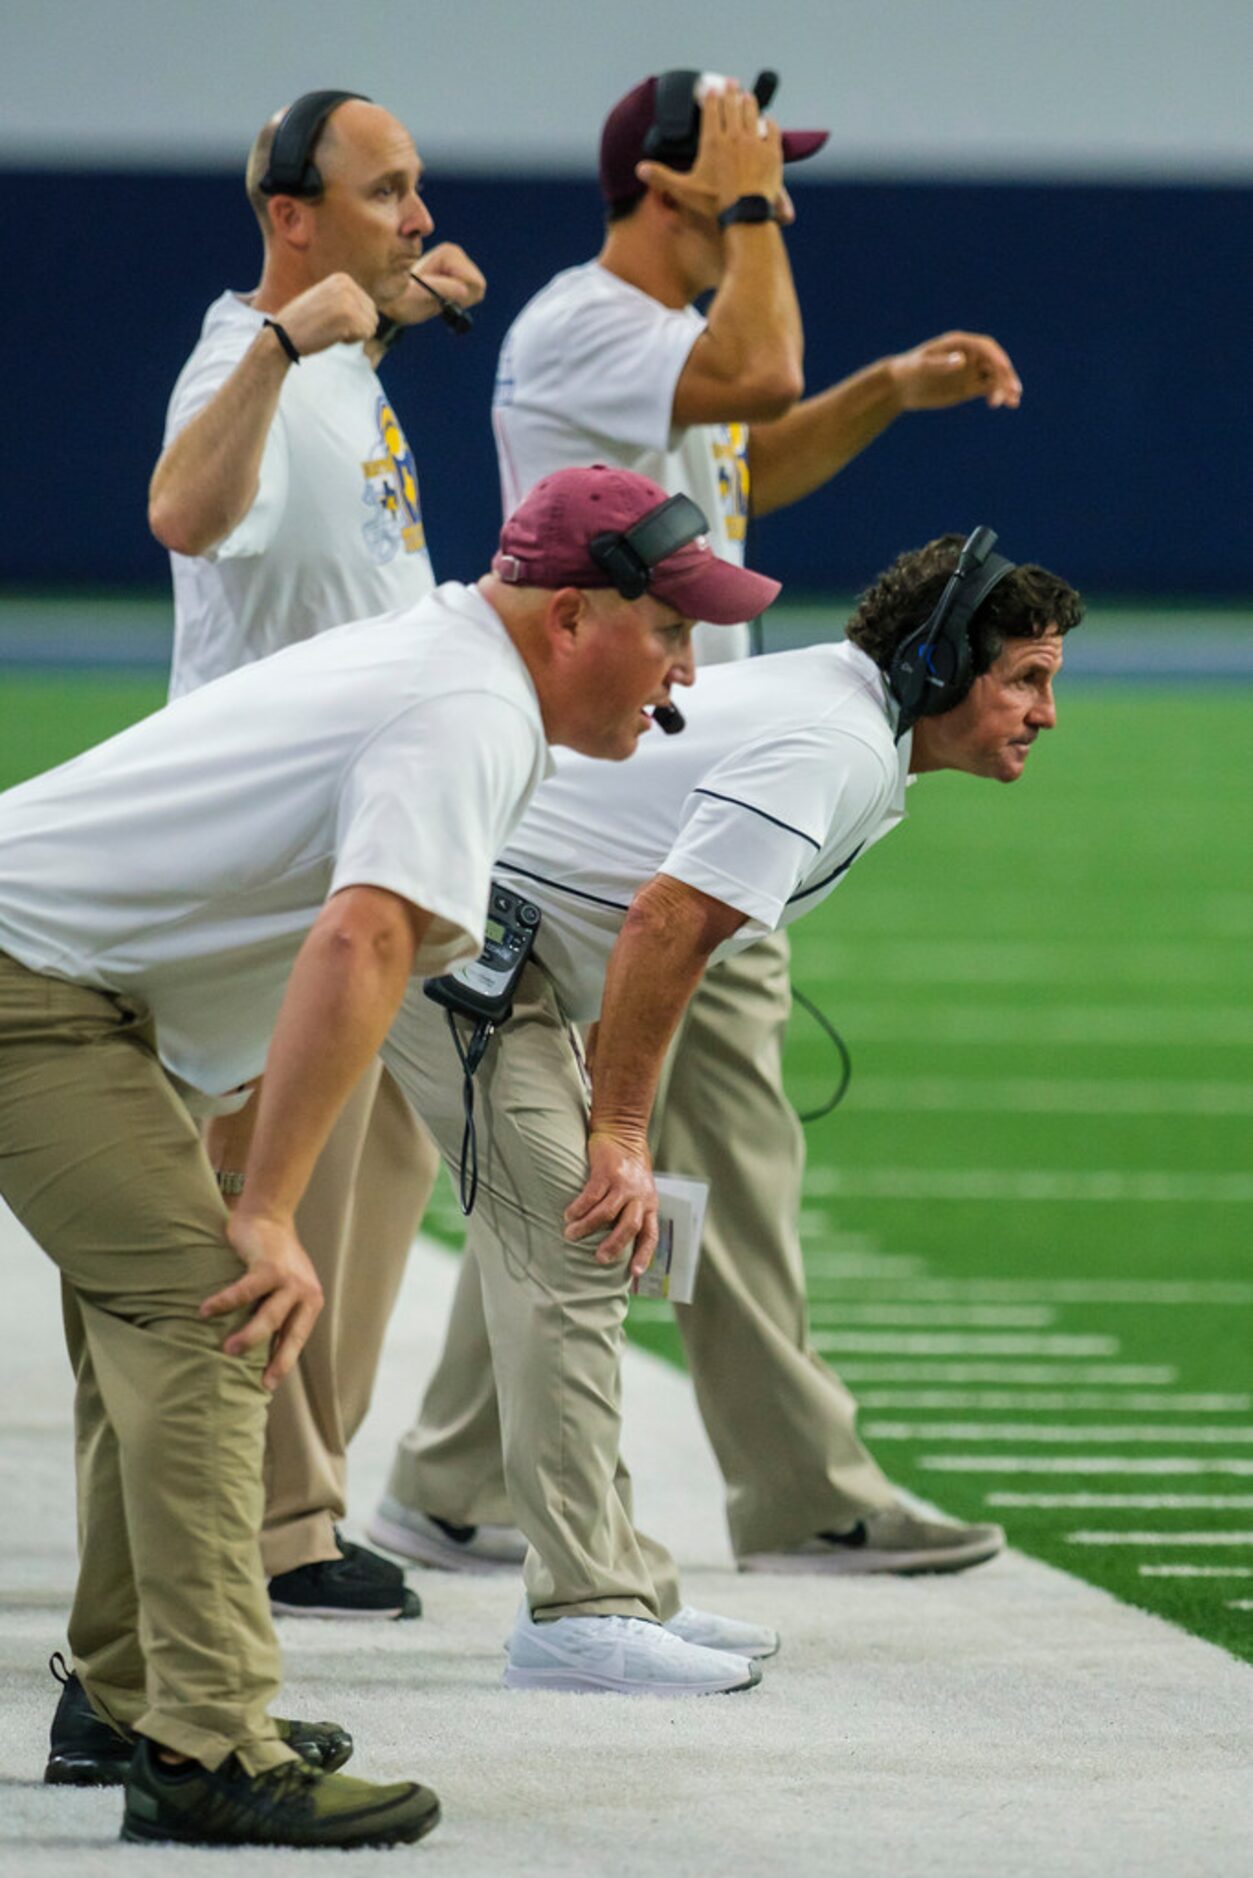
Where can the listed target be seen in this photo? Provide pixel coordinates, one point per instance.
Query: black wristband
(748, 209)
(284, 339)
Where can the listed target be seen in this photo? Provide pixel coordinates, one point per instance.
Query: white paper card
(681, 1218)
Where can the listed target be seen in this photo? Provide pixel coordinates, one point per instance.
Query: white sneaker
(621, 1655)
(895, 1539)
(445, 1547)
(712, 1632)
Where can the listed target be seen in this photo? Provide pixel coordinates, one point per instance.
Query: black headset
(629, 558)
(931, 669)
(291, 170)
(673, 138)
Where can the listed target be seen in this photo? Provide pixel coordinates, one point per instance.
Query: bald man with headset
(287, 494)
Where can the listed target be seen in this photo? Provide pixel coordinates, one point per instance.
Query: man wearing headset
(788, 771)
(611, 358)
(288, 497)
(146, 957)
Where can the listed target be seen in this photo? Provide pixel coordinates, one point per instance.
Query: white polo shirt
(335, 531)
(788, 770)
(181, 863)
(587, 374)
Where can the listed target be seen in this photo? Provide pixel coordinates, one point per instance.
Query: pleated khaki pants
(780, 1421)
(101, 1163)
(551, 1318)
(357, 1220)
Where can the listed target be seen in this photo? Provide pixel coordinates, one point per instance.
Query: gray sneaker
(441, 1544)
(895, 1539)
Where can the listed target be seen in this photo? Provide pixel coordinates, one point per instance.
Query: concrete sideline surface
(1007, 1720)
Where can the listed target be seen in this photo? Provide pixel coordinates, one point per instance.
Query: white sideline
(1010, 1719)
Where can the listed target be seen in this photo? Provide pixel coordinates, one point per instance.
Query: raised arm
(747, 364)
(798, 452)
(345, 988)
(206, 479)
(666, 941)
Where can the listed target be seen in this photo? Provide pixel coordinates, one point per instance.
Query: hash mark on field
(1160, 1538)
(1195, 1571)
(959, 1343)
(1239, 1604)
(964, 1316)
(1105, 1374)
(1073, 1096)
(1062, 1435)
(1025, 1291)
(1064, 1399)
(998, 1183)
(1144, 1502)
(1158, 1464)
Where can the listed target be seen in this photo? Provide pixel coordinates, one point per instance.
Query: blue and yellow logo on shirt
(731, 462)
(394, 522)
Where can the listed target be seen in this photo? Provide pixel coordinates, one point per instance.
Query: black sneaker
(288, 1805)
(357, 1584)
(87, 1752)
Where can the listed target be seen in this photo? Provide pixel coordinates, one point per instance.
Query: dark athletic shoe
(358, 1584)
(87, 1752)
(288, 1805)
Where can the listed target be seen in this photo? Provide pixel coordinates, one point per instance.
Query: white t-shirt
(587, 374)
(787, 771)
(335, 531)
(181, 863)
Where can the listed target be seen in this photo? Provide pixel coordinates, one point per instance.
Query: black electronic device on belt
(291, 170)
(930, 671)
(484, 988)
(483, 991)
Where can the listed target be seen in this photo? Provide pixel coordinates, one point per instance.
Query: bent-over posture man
(287, 493)
(611, 359)
(790, 768)
(249, 879)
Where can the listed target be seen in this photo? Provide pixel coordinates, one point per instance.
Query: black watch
(748, 209)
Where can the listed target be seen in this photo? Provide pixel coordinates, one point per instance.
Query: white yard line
(1145, 1502)
(826, 1276)
(1107, 1375)
(1038, 1096)
(999, 1183)
(1160, 1538)
(986, 1400)
(1083, 1464)
(971, 1316)
(1195, 1571)
(960, 1343)
(1060, 1434)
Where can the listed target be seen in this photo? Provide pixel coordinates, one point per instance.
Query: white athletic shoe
(712, 1632)
(620, 1655)
(445, 1547)
(892, 1540)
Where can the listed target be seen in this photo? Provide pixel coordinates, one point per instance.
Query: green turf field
(1028, 1226)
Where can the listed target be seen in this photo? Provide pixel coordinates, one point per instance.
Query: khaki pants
(357, 1221)
(551, 1317)
(780, 1421)
(101, 1163)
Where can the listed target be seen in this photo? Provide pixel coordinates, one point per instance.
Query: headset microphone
(930, 671)
(669, 717)
(455, 317)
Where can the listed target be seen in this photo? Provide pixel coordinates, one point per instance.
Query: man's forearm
(753, 348)
(344, 991)
(205, 482)
(663, 949)
(797, 453)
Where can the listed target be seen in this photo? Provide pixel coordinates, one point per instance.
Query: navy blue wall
(1126, 310)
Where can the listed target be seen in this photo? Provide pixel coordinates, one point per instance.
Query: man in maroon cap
(611, 359)
(149, 955)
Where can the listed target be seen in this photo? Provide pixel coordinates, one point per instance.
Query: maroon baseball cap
(628, 124)
(546, 542)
